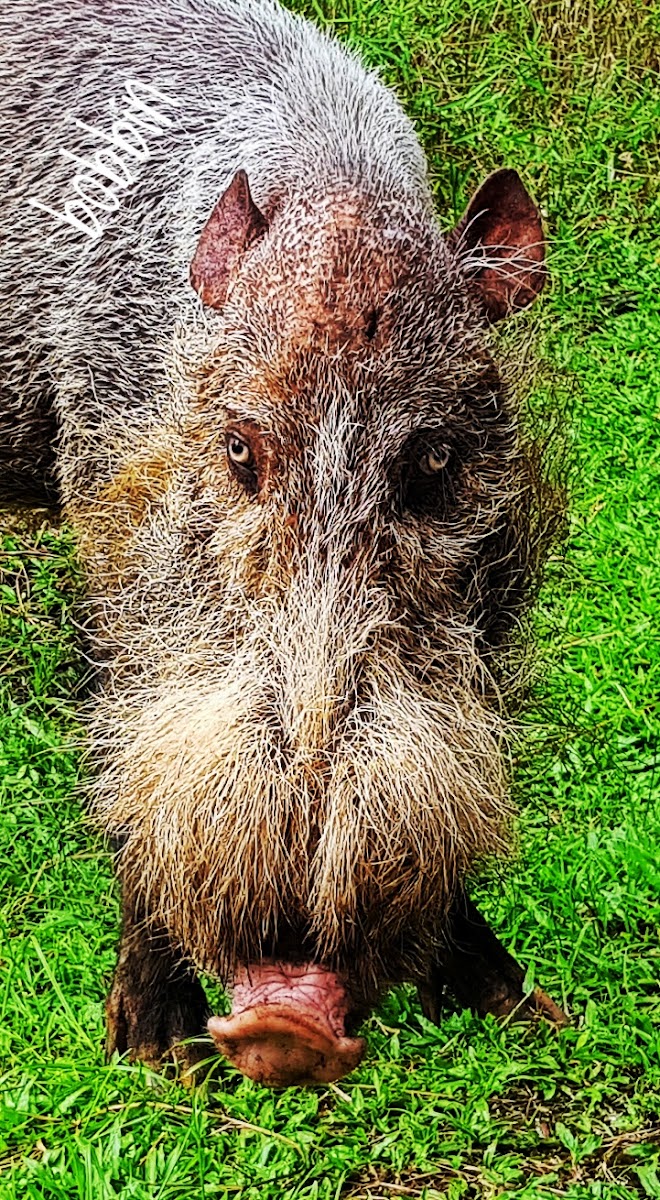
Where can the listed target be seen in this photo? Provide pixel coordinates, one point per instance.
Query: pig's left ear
(500, 243)
(233, 226)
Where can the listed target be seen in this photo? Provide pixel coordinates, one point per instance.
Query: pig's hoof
(510, 1001)
(275, 1045)
(153, 1028)
(543, 1004)
(498, 995)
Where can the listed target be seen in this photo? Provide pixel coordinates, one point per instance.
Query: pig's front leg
(475, 967)
(155, 1001)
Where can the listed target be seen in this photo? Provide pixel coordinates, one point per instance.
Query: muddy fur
(298, 724)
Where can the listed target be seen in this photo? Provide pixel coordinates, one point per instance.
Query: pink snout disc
(277, 1046)
(287, 1025)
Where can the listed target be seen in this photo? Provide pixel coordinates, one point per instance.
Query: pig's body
(304, 513)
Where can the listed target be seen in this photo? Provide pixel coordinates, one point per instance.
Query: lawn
(569, 94)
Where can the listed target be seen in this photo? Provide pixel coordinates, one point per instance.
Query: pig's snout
(287, 1026)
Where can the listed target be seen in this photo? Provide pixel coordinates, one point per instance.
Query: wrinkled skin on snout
(321, 554)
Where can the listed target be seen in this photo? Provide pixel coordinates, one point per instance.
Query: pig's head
(324, 550)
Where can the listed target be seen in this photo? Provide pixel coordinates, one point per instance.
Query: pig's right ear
(500, 244)
(234, 224)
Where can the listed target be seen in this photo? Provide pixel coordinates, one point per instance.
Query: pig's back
(85, 324)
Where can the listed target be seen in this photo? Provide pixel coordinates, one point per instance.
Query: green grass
(568, 93)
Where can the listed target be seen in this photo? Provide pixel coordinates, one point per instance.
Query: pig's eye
(238, 451)
(428, 478)
(435, 460)
(241, 460)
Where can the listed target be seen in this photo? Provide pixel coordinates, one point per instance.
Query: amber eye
(238, 451)
(428, 476)
(434, 460)
(242, 463)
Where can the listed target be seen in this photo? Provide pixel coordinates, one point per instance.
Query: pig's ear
(233, 225)
(500, 243)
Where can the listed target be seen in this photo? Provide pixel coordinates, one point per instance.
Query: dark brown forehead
(344, 304)
(326, 276)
